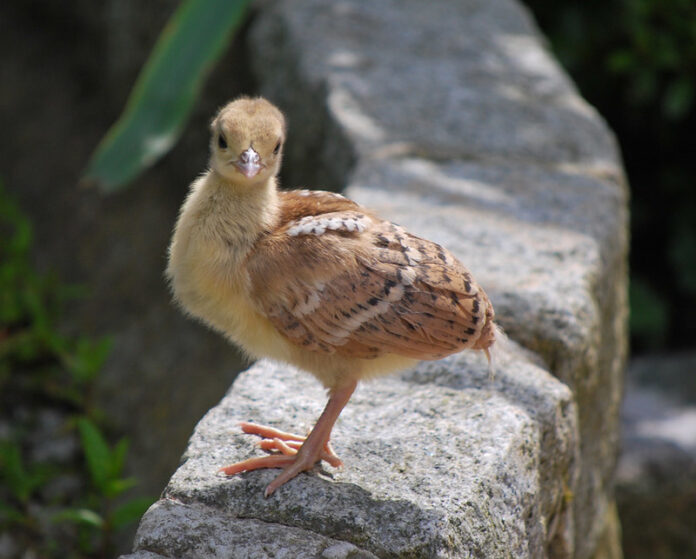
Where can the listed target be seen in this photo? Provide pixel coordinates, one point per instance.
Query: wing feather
(364, 287)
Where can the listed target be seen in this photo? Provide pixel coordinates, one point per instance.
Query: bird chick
(312, 279)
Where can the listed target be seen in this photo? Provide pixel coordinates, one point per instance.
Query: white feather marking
(412, 255)
(302, 227)
(363, 316)
(310, 304)
(395, 293)
(317, 225)
(352, 323)
(408, 276)
(307, 192)
(334, 223)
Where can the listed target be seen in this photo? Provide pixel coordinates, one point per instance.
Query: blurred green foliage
(70, 503)
(635, 60)
(166, 90)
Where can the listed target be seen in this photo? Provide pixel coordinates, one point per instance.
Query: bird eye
(222, 142)
(277, 148)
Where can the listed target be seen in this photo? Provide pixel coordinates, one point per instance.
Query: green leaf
(649, 313)
(621, 61)
(87, 358)
(97, 453)
(130, 512)
(114, 487)
(118, 457)
(679, 97)
(165, 91)
(10, 514)
(20, 479)
(79, 516)
(682, 252)
(19, 241)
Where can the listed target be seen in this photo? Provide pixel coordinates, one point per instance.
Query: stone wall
(453, 120)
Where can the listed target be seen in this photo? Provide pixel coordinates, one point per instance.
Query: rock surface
(453, 120)
(656, 476)
(438, 461)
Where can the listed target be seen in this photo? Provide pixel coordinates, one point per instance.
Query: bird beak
(248, 163)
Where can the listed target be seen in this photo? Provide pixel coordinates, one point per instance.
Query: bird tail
(491, 367)
(497, 341)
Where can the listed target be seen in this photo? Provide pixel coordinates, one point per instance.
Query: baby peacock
(312, 279)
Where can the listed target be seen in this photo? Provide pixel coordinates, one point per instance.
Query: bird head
(246, 141)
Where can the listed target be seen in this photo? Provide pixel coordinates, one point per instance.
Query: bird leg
(294, 457)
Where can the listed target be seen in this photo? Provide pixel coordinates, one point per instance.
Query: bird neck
(240, 213)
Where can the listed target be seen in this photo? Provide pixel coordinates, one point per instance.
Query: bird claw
(274, 461)
(288, 446)
(287, 443)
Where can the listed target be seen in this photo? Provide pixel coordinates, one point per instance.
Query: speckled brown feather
(363, 293)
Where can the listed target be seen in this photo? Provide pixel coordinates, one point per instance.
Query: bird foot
(291, 459)
(287, 443)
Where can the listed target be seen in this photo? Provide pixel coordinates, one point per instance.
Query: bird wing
(347, 282)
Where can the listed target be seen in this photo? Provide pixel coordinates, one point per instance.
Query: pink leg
(314, 448)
